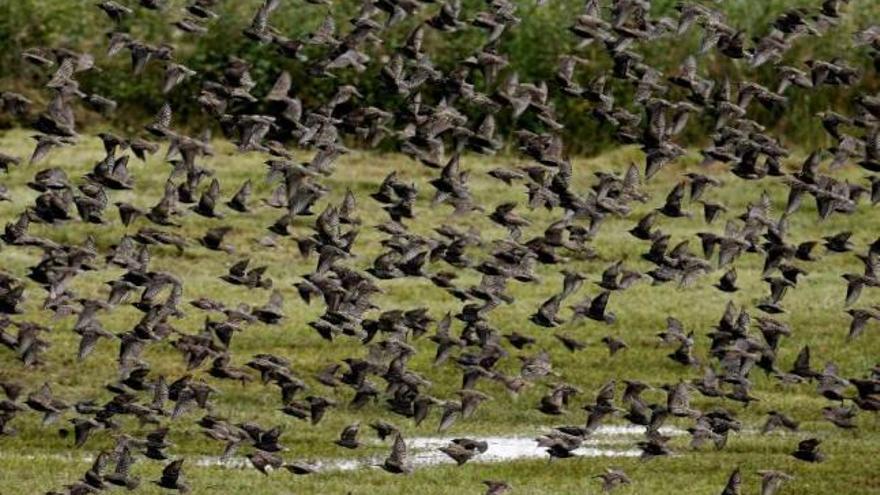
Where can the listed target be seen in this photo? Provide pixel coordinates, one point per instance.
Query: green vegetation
(533, 48)
(814, 313)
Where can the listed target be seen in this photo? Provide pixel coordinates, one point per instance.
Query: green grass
(815, 313)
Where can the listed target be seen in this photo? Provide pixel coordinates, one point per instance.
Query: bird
(83, 429)
(171, 477)
(772, 481)
(860, 319)
(213, 239)
(7, 160)
(547, 314)
(239, 202)
(383, 429)
(777, 420)
(44, 401)
(348, 437)
(734, 482)
(728, 281)
(461, 451)
(299, 468)
(271, 312)
(377, 264)
(265, 462)
(507, 218)
(840, 416)
(397, 461)
(120, 475)
(654, 446)
(570, 343)
(156, 443)
(497, 487)
(613, 478)
(614, 344)
(594, 308)
(808, 450)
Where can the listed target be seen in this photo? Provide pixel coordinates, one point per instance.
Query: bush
(533, 48)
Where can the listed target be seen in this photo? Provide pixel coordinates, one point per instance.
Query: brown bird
(614, 344)
(494, 487)
(613, 478)
(459, 452)
(348, 437)
(507, 218)
(776, 420)
(272, 312)
(734, 483)
(265, 462)
(397, 461)
(171, 477)
(45, 402)
(840, 416)
(808, 450)
(772, 481)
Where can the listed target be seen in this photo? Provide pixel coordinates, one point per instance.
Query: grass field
(38, 459)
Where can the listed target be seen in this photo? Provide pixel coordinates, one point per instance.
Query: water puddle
(606, 441)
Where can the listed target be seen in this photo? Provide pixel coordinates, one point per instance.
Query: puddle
(606, 441)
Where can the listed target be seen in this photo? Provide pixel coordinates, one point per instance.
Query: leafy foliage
(533, 48)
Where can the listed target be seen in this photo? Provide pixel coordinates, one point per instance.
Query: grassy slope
(815, 314)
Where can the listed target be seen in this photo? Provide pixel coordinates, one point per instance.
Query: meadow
(37, 458)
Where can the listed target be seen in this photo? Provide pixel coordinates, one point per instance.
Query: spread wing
(172, 470)
(163, 118)
(398, 450)
(281, 88)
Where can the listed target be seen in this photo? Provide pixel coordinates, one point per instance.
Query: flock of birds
(432, 126)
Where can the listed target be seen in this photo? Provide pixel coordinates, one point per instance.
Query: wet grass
(815, 313)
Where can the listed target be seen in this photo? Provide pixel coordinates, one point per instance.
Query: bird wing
(281, 88)
(240, 269)
(398, 450)
(597, 305)
(350, 433)
(163, 118)
(171, 472)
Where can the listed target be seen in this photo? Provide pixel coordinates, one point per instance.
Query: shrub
(533, 48)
